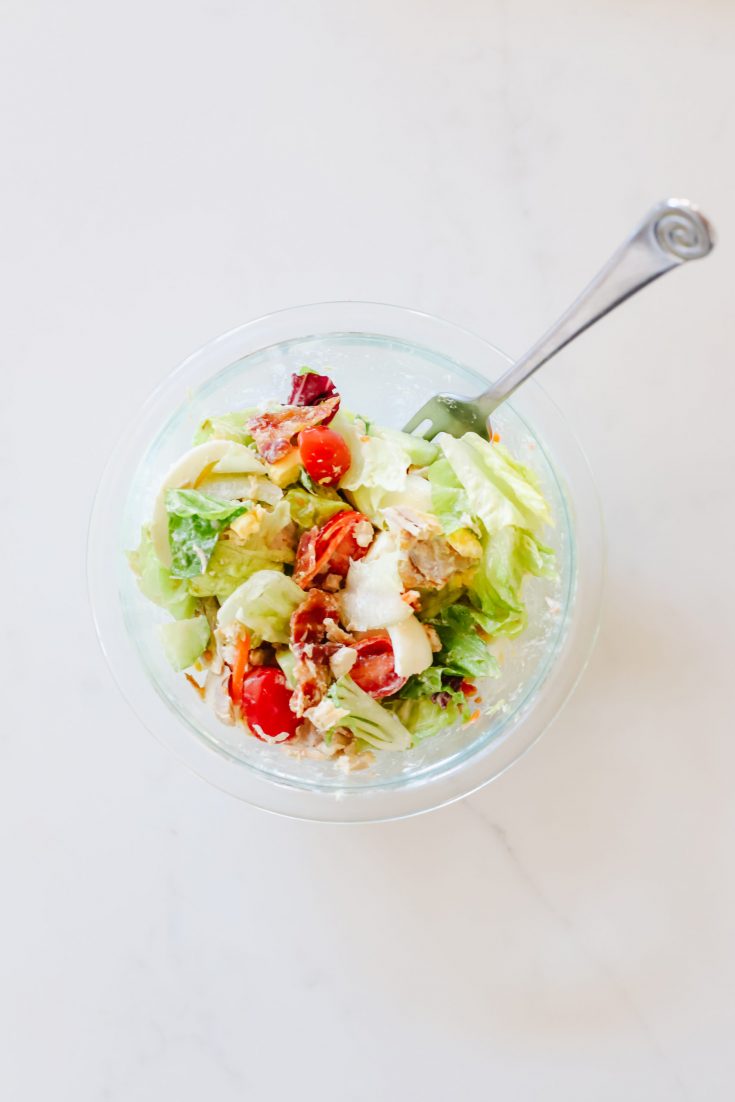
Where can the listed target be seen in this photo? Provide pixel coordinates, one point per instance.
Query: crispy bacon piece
(309, 389)
(308, 622)
(315, 636)
(273, 431)
(312, 682)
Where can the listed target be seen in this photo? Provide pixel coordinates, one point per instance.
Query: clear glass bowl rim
(374, 804)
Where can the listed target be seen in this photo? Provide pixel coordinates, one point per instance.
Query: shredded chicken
(310, 743)
(429, 563)
(227, 641)
(325, 715)
(336, 634)
(216, 693)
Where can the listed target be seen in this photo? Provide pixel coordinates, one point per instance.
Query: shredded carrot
(239, 669)
(474, 716)
(496, 438)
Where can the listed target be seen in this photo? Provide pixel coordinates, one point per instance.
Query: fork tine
(418, 418)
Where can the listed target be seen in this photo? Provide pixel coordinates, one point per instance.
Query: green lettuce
(504, 497)
(228, 426)
(433, 700)
(464, 653)
(369, 721)
(156, 581)
(496, 585)
(184, 641)
(419, 452)
(372, 501)
(376, 461)
(235, 559)
(449, 498)
(195, 522)
(231, 564)
(264, 603)
(500, 491)
(286, 659)
(308, 509)
(424, 717)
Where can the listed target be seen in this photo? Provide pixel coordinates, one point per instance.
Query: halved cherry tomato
(325, 455)
(266, 700)
(337, 543)
(374, 670)
(329, 549)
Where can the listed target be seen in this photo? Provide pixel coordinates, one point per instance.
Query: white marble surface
(172, 169)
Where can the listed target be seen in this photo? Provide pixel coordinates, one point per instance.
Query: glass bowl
(386, 361)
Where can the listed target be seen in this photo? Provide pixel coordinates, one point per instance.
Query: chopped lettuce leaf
(286, 659)
(184, 641)
(373, 501)
(243, 487)
(376, 461)
(238, 556)
(230, 487)
(496, 586)
(434, 601)
(308, 509)
(156, 581)
(219, 456)
(228, 426)
(369, 721)
(195, 521)
(499, 490)
(264, 603)
(231, 564)
(419, 451)
(425, 717)
(463, 652)
(449, 498)
(464, 657)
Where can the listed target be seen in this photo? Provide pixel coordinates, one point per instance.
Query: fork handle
(673, 233)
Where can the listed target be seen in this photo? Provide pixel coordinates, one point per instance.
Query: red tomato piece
(374, 670)
(325, 455)
(266, 705)
(328, 550)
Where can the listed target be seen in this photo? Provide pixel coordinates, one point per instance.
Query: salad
(334, 585)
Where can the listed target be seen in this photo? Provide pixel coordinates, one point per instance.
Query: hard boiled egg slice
(220, 456)
(411, 648)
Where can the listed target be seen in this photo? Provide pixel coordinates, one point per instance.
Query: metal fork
(673, 232)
